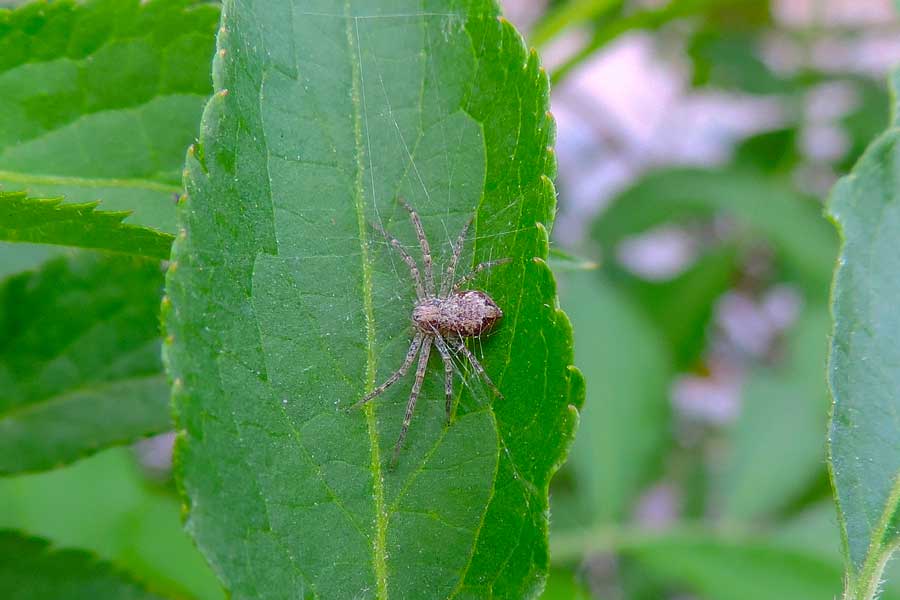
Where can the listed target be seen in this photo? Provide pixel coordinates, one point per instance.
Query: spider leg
(413, 267)
(448, 372)
(478, 269)
(413, 396)
(461, 346)
(447, 280)
(423, 244)
(407, 362)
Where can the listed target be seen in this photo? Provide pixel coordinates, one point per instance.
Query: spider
(444, 318)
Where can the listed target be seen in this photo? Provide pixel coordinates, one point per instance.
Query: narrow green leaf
(625, 426)
(717, 565)
(609, 29)
(735, 569)
(560, 260)
(31, 570)
(793, 225)
(863, 372)
(79, 360)
(287, 307)
(98, 100)
(47, 221)
(773, 460)
(561, 585)
(568, 14)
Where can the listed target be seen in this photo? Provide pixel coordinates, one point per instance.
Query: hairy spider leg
(413, 267)
(447, 280)
(461, 346)
(413, 396)
(423, 244)
(407, 363)
(478, 269)
(448, 371)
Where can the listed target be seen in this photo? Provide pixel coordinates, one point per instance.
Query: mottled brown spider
(444, 319)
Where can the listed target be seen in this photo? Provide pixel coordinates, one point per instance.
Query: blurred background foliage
(697, 140)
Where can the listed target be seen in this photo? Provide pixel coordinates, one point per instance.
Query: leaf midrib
(358, 89)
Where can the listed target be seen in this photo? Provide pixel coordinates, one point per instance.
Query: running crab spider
(443, 318)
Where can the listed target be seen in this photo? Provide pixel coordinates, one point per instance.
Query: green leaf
(863, 368)
(868, 120)
(98, 100)
(47, 221)
(712, 564)
(568, 14)
(718, 567)
(777, 448)
(17, 257)
(560, 260)
(79, 360)
(773, 153)
(625, 427)
(287, 308)
(760, 208)
(104, 504)
(31, 570)
(607, 30)
(729, 59)
(561, 585)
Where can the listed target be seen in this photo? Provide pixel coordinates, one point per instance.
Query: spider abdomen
(466, 314)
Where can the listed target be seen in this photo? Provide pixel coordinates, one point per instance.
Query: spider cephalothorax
(443, 318)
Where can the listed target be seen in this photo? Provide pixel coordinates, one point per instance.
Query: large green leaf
(777, 447)
(79, 360)
(31, 570)
(47, 221)
(625, 426)
(286, 308)
(98, 100)
(104, 504)
(864, 367)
